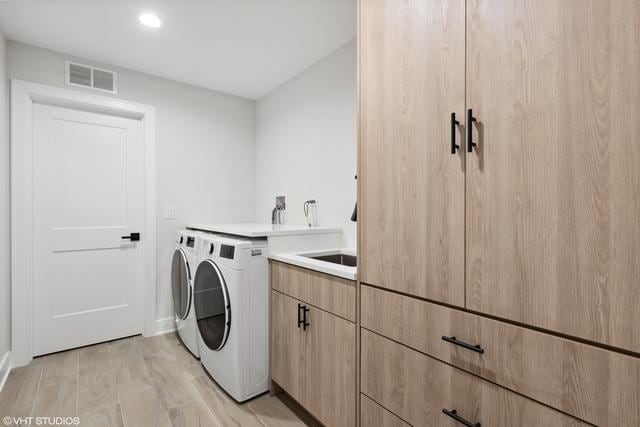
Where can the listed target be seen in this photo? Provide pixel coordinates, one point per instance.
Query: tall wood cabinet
(411, 187)
(547, 203)
(553, 191)
(499, 178)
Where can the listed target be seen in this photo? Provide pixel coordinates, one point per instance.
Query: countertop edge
(318, 266)
(237, 231)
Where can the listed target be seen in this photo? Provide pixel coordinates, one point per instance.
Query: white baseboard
(166, 325)
(5, 368)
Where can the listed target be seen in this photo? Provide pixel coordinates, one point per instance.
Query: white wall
(205, 149)
(5, 257)
(306, 143)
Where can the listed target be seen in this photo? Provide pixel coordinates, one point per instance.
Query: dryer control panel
(227, 251)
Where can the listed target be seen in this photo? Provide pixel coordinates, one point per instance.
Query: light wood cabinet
(553, 191)
(287, 345)
(419, 389)
(411, 205)
(374, 415)
(333, 294)
(330, 363)
(604, 384)
(313, 351)
(552, 187)
(526, 240)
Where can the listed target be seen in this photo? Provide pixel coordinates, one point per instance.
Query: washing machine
(231, 300)
(183, 267)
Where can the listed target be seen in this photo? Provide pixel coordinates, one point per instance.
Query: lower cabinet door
(330, 379)
(287, 346)
(426, 392)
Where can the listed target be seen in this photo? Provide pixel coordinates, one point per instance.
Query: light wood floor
(132, 382)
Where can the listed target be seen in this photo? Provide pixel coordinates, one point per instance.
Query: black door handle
(300, 321)
(305, 319)
(454, 124)
(470, 120)
(454, 414)
(453, 340)
(134, 237)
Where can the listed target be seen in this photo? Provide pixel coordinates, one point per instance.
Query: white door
(88, 180)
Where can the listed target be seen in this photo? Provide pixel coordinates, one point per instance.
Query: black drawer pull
(470, 121)
(454, 414)
(453, 340)
(305, 323)
(454, 124)
(300, 321)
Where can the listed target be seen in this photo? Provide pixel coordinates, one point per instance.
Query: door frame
(23, 95)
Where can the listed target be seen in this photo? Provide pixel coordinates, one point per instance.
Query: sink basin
(341, 259)
(340, 262)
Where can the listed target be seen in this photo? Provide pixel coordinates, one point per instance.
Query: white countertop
(299, 260)
(250, 229)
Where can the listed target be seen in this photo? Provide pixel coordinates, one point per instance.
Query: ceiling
(242, 47)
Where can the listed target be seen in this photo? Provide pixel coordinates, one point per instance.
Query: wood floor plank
(94, 354)
(193, 414)
(225, 409)
(19, 392)
(96, 380)
(59, 367)
(169, 361)
(128, 363)
(273, 413)
(57, 399)
(107, 417)
(172, 339)
(141, 406)
(175, 389)
(153, 346)
(123, 344)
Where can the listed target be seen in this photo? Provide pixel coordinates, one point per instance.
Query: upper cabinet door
(411, 206)
(553, 189)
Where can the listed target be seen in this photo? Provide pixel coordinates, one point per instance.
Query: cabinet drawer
(374, 415)
(593, 384)
(333, 294)
(418, 388)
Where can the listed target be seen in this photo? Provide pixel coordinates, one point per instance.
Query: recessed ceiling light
(150, 20)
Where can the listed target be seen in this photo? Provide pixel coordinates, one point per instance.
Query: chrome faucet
(276, 213)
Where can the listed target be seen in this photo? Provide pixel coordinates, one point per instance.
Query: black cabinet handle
(470, 120)
(454, 124)
(454, 414)
(305, 322)
(453, 340)
(135, 237)
(300, 321)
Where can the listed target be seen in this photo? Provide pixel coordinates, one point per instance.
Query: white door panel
(88, 193)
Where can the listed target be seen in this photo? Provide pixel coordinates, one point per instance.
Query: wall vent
(91, 77)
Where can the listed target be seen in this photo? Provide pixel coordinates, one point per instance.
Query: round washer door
(180, 278)
(212, 305)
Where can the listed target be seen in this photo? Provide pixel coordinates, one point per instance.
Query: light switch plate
(169, 212)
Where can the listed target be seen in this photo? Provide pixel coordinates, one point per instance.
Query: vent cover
(91, 77)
